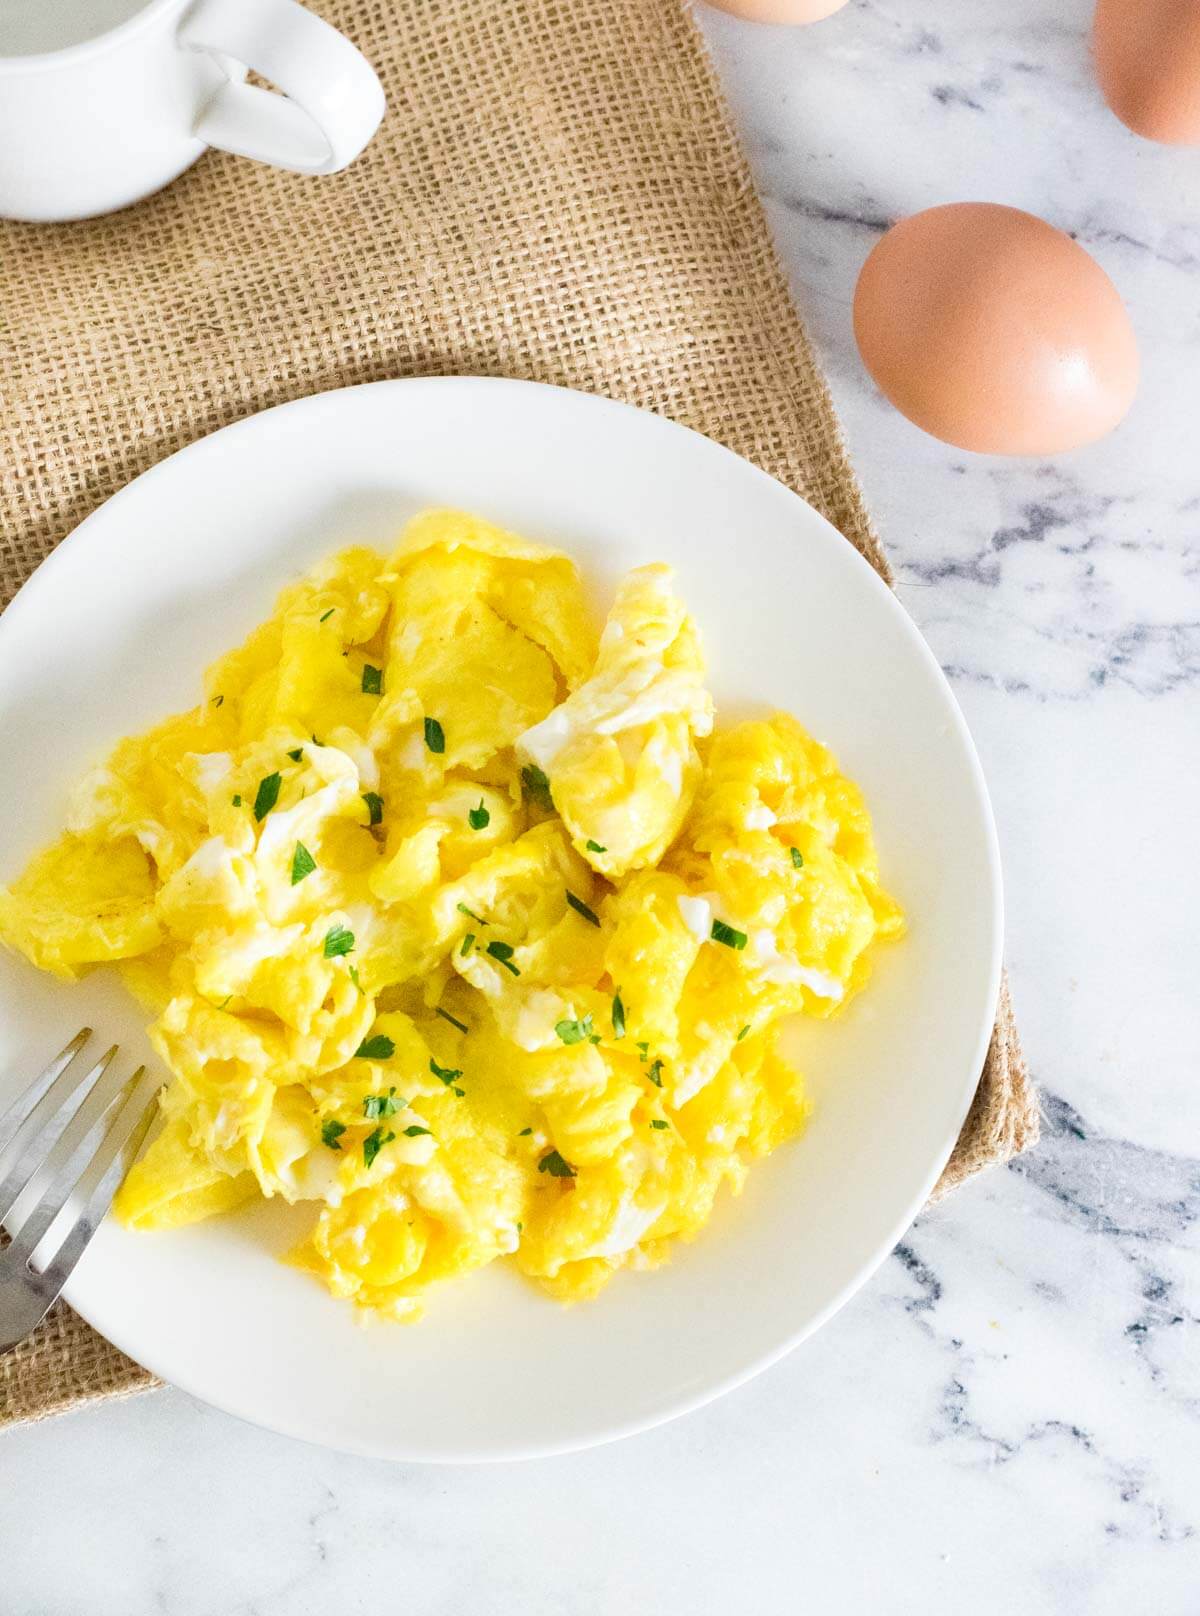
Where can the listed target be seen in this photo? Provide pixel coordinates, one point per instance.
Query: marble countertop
(1007, 1418)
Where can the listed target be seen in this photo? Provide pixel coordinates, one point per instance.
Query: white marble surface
(1007, 1419)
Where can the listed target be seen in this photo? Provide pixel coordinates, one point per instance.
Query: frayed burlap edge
(1005, 1117)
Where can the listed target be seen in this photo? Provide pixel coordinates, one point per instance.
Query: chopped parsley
(574, 1031)
(218, 701)
(435, 736)
(297, 754)
(729, 935)
(659, 1123)
(468, 943)
(383, 1105)
(479, 817)
(237, 799)
(618, 1015)
(303, 863)
(643, 1050)
(594, 847)
(581, 908)
(463, 910)
(524, 1132)
(537, 785)
(331, 1131)
(374, 1143)
(504, 953)
(654, 1073)
(444, 1074)
(372, 680)
(453, 1020)
(268, 795)
(797, 857)
(378, 1047)
(374, 804)
(325, 616)
(743, 1032)
(338, 941)
(414, 1130)
(357, 983)
(555, 1165)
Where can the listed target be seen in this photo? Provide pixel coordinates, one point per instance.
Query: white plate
(112, 634)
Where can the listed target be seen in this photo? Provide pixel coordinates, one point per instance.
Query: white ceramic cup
(103, 122)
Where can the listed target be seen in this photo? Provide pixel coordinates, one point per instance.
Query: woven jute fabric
(555, 193)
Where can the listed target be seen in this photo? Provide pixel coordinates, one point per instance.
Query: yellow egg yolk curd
(462, 924)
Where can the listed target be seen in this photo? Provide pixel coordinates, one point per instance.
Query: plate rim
(26, 599)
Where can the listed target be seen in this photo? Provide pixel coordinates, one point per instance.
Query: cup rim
(40, 61)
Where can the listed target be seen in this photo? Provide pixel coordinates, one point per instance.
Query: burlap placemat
(555, 193)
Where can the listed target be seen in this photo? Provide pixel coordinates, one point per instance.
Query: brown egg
(995, 332)
(794, 12)
(1148, 64)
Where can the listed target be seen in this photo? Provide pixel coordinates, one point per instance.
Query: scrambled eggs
(460, 925)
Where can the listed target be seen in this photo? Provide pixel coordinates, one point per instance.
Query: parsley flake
(729, 935)
(594, 847)
(414, 1130)
(377, 1047)
(338, 941)
(468, 943)
(463, 910)
(372, 680)
(479, 817)
(503, 952)
(524, 1132)
(581, 908)
(555, 1165)
(383, 1105)
(357, 983)
(743, 1032)
(325, 616)
(574, 1031)
(303, 863)
(537, 785)
(453, 1020)
(435, 736)
(237, 799)
(218, 701)
(797, 857)
(444, 1074)
(654, 1073)
(658, 1123)
(643, 1050)
(297, 754)
(268, 795)
(331, 1131)
(374, 1143)
(374, 804)
(618, 1015)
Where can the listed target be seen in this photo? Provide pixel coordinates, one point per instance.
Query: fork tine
(53, 1183)
(25, 1160)
(99, 1182)
(19, 1111)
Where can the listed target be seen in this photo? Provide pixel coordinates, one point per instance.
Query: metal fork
(65, 1145)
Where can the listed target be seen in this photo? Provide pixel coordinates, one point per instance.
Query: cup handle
(331, 100)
